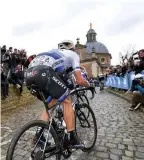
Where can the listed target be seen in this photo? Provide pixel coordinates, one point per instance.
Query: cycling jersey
(52, 73)
(85, 76)
(59, 60)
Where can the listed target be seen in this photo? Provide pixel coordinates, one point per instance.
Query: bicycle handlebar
(82, 89)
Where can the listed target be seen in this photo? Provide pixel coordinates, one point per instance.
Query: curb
(121, 96)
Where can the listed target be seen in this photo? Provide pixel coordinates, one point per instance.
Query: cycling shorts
(46, 79)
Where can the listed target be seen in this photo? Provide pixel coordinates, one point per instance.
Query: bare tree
(129, 50)
(126, 53)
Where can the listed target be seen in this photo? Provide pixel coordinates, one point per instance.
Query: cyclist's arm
(79, 79)
(77, 72)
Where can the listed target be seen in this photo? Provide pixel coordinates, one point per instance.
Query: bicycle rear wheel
(22, 152)
(86, 127)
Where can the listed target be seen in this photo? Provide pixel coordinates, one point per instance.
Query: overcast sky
(39, 25)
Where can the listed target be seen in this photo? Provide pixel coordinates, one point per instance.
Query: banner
(122, 82)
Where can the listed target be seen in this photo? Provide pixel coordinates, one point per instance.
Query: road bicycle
(56, 143)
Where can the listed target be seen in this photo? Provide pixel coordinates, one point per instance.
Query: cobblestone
(101, 148)
(128, 140)
(129, 153)
(102, 155)
(114, 157)
(110, 145)
(139, 155)
(120, 132)
(132, 148)
(126, 158)
(114, 141)
(116, 151)
(141, 149)
(118, 139)
(121, 146)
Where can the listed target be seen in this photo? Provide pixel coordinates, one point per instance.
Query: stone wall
(81, 52)
(104, 55)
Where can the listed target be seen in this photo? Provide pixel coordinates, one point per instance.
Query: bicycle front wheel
(86, 127)
(22, 147)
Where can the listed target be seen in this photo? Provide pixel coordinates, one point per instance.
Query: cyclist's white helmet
(66, 44)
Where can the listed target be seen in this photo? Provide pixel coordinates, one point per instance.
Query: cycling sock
(72, 133)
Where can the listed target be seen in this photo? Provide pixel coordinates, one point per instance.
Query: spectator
(6, 59)
(138, 96)
(4, 85)
(3, 50)
(10, 50)
(130, 64)
(23, 57)
(134, 63)
(124, 69)
(18, 76)
(15, 51)
(18, 52)
(29, 60)
(14, 61)
(13, 71)
(13, 78)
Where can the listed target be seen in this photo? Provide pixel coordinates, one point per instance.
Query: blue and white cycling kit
(43, 70)
(59, 60)
(85, 76)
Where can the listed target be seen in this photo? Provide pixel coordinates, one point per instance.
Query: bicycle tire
(88, 149)
(83, 101)
(18, 134)
(83, 95)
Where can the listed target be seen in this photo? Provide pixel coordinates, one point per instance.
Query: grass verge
(15, 100)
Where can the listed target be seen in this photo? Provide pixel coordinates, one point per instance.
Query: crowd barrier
(122, 82)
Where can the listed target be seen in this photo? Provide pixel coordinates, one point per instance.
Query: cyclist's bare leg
(68, 117)
(44, 115)
(69, 114)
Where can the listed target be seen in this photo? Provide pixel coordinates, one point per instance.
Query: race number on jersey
(42, 60)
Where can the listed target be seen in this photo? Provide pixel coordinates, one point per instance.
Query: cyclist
(51, 71)
(84, 74)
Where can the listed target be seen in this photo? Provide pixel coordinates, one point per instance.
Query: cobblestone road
(120, 134)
